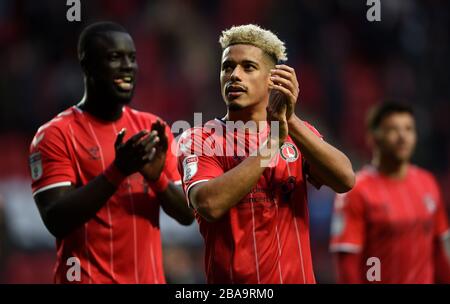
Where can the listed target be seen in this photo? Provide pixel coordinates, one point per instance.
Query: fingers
(136, 137)
(149, 156)
(150, 142)
(283, 110)
(284, 90)
(285, 83)
(279, 112)
(119, 138)
(150, 137)
(285, 68)
(160, 127)
(285, 72)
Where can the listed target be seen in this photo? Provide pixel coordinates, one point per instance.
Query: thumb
(283, 109)
(120, 137)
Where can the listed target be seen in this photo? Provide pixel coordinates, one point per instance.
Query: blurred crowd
(344, 64)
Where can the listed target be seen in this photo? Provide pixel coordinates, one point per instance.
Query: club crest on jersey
(429, 202)
(289, 152)
(36, 165)
(190, 166)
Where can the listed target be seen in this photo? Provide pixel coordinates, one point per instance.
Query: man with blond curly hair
(254, 217)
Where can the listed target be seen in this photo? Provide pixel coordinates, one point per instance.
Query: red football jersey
(265, 237)
(122, 243)
(396, 221)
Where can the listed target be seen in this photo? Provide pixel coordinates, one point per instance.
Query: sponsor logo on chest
(94, 153)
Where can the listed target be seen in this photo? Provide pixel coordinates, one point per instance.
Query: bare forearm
(332, 166)
(214, 198)
(69, 208)
(174, 204)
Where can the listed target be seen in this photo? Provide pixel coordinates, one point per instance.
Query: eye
(226, 67)
(133, 57)
(249, 67)
(114, 56)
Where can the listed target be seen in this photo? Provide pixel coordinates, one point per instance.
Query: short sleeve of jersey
(441, 227)
(194, 163)
(170, 168)
(313, 129)
(49, 161)
(348, 225)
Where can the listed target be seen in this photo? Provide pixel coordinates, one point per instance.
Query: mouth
(233, 91)
(124, 83)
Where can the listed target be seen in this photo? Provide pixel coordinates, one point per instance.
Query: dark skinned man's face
(111, 66)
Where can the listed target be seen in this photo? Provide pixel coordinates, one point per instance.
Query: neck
(95, 105)
(255, 113)
(245, 116)
(391, 168)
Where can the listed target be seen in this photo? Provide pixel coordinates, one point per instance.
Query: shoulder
(364, 176)
(365, 179)
(203, 131)
(191, 140)
(312, 128)
(60, 121)
(56, 127)
(147, 116)
(423, 175)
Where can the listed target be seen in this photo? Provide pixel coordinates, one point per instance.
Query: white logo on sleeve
(337, 223)
(36, 165)
(430, 203)
(190, 167)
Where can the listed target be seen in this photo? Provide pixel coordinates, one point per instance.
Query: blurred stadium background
(344, 63)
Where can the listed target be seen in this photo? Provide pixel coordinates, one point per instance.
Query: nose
(127, 62)
(236, 75)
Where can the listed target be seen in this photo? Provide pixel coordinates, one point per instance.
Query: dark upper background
(344, 64)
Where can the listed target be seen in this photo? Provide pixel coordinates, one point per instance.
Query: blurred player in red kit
(100, 171)
(253, 217)
(394, 213)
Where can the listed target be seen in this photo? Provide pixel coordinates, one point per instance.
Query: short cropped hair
(94, 30)
(254, 35)
(380, 111)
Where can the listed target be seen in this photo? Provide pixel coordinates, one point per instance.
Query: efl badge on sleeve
(36, 165)
(190, 166)
(289, 152)
(337, 223)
